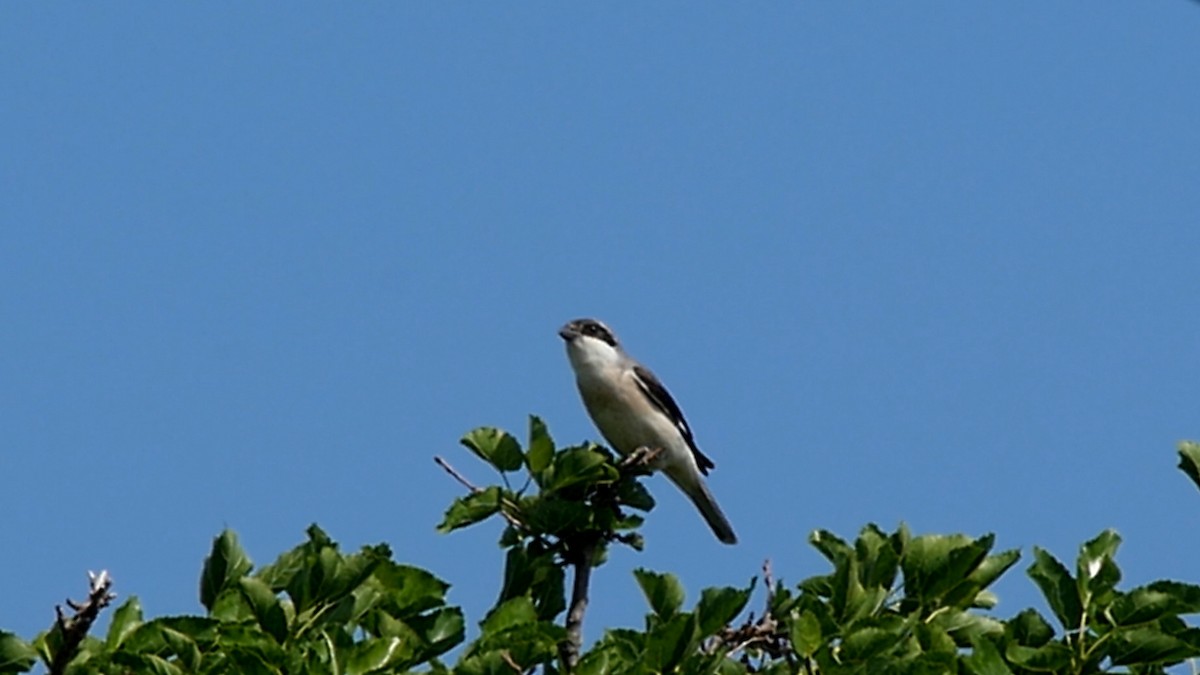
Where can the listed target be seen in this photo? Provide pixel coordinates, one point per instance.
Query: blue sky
(921, 262)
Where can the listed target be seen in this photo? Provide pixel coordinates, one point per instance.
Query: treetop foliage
(891, 602)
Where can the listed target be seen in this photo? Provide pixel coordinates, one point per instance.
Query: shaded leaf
(719, 606)
(1056, 584)
(1029, 629)
(1159, 599)
(266, 607)
(541, 446)
(224, 565)
(1150, 645)
(830, 545)
(1052, 656)
(668, 642)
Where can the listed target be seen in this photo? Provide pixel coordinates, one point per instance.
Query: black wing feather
(661, 398)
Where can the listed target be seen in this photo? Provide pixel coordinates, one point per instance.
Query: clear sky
(922, 262)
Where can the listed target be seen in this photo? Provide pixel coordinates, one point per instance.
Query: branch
(75, 628)
(582, 562)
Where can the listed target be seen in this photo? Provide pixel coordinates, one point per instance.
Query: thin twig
(457, 476)
(75, 628)
(505, 512)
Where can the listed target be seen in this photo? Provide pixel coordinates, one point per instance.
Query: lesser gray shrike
(633, 410)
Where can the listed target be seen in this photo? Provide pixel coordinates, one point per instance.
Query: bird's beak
(568, 332)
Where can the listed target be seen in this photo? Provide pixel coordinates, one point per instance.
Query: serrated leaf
(127, 617)
(514, 612)
(830, 545)
(719, 606)
(668, 642)
(541, 446)
(867, 643)
(471, 509)
(373, 654)
(806, 634)
(496, 447)
(16, 655)
(266, 607)
(662, 591)
(1096, 572)
(225, 564)
(574, 466)
(1154, 601)
(1051, 657)
(985, 659)
(1056, 584)
(1189, 460)
(1148, 646)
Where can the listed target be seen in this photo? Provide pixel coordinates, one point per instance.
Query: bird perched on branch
(634, 411)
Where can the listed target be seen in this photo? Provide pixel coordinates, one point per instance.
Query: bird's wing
(661, 398)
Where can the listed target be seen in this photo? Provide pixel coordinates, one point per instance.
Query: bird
(634, 412)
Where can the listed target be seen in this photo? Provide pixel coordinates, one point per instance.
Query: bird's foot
(640, 460)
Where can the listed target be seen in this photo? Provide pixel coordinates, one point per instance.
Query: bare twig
(76, 627)
(475, 489)
(456, 475)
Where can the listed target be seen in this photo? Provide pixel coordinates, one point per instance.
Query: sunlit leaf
(471, 509)
(16, 655)
(127, 617)
(985, 659)
(1150, 645)
(1189, 460)
(662, 591)
(496, 447)
(1051, 657)
(806, 634)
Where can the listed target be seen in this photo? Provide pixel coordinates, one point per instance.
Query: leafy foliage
(891, 602)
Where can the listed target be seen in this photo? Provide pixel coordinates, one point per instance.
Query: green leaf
(496, 447)
(806, 634)
(580, 465)
(127, 618)
(933, 564)
(985, 659)
(541, 446)
(373, 654)
(515, 612)
(1150, 645)
(1189, 460)
(662, 591)
(877, 560)
(266, 607)
(16, 655)
(1051, 657)
(471, 509)
(224, 565)
(1029, 629)
(183, 646)
(867, 643)
(1154, 601)
(631, 493)
(668, 642)
(1056, 584)
(830, 545)
(1097, 573)
(719, 606)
